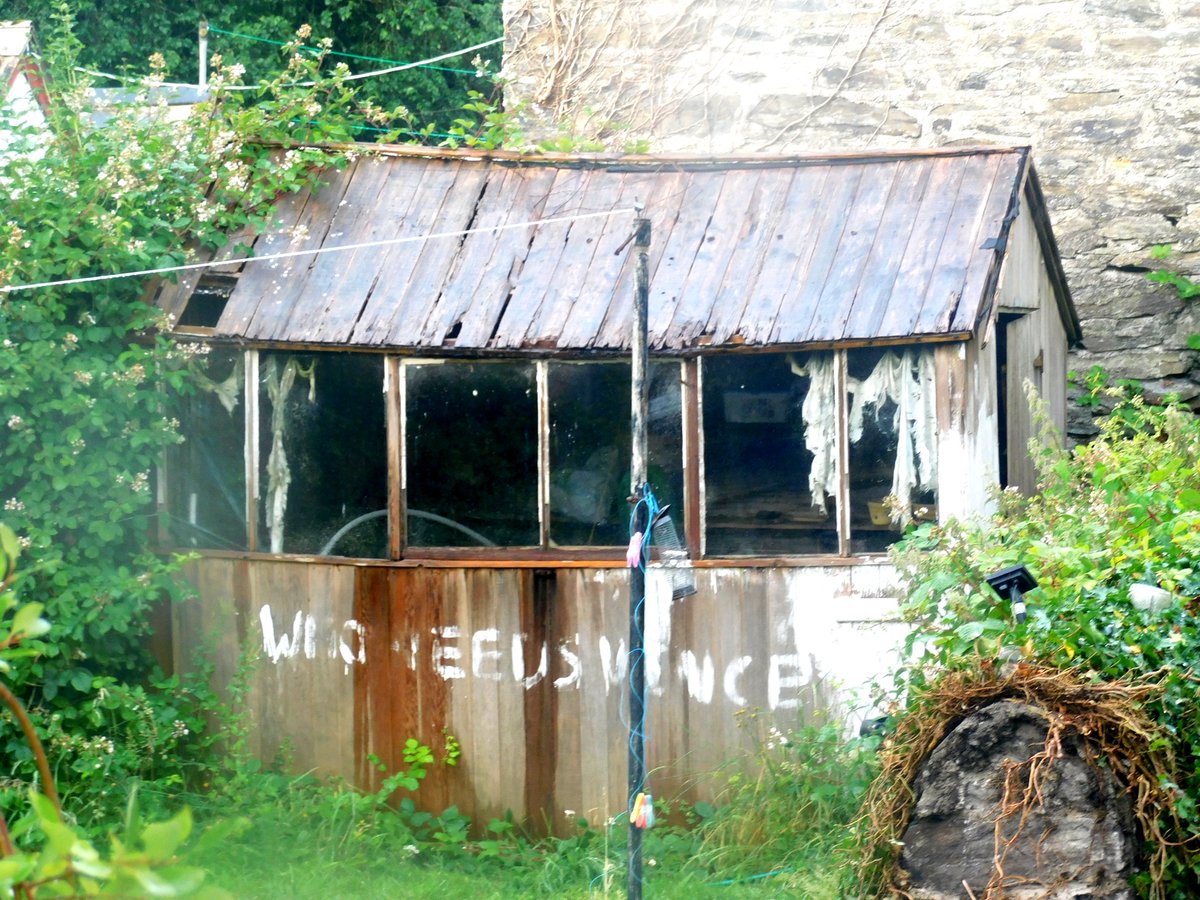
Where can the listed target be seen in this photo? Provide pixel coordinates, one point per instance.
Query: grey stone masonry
(1073, 837)
(1107, 92)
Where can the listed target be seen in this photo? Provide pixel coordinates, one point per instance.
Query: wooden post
(637, 575)
(203, 53)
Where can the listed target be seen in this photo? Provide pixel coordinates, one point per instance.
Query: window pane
(590, 437)
(206, 480)
(893, 444)
(769, 454)
(665, 440)
(589, 454)
(472, 454)
(323, 454)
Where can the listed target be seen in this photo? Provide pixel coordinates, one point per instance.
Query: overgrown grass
(777, 830)
(304, 846)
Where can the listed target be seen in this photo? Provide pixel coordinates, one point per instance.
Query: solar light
(1012, 583)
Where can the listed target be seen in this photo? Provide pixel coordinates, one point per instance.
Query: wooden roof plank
(395, 268)
(334, 290)
(580, 247)
(596, 291)
(530, 292)
(751, 246)
(789, 250)
(288, 276)
(483, 249)
(497, 259)
(436, 257)
(253, 286)
(898, 307)
(351, 276)
(700, 293)
(794, 317)
(1002, 207)
(863, 222)
(680, 251)
(930, 226)
(865, 302)
(662, 208)
(946, 283)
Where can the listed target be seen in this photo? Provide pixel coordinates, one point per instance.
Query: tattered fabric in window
(907, 380)
(279, 381)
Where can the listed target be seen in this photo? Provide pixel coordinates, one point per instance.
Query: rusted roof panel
(752, 251)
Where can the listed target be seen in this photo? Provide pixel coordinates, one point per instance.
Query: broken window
(206, 480)
(893, 444)
(590, 438)
(322, 476)
(471, 452)
(767, 467)
(773, 429)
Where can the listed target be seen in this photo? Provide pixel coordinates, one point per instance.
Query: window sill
(537, 559)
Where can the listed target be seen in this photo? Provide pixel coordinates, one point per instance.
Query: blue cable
(649, 504)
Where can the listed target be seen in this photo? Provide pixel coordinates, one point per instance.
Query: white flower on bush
(13, 505)
(15, 422)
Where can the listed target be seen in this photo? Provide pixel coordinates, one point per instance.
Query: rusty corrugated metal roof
(750, 251)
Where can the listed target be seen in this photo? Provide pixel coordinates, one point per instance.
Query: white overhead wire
(314, 251)
(253, 87)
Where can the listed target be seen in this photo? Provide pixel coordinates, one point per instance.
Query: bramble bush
(88, 378)
(1121, 511)
(45, 849)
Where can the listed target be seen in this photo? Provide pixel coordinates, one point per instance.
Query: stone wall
(1106, 91)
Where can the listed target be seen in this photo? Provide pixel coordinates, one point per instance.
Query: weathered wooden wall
(1037, 347)
(526, 668)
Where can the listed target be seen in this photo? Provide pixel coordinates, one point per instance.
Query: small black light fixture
(1013, 583)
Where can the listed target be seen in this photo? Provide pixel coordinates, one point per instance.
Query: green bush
(88, 379)
(1114, 514)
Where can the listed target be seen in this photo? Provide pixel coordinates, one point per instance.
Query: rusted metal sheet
(770, 251)
(527, 669)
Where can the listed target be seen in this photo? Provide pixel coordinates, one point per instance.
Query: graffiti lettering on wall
(487, 654)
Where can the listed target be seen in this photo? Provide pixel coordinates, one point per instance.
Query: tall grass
(785, 812)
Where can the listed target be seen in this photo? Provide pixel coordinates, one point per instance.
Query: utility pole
(637, 575)
(203, 73)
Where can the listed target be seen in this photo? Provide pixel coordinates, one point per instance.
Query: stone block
(1143, 12)
(1075, 840)
(1135, 363)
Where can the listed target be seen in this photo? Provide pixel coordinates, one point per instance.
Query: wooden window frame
(395, 390)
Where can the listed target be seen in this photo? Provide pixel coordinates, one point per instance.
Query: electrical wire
(314, 251)
(398, 67)
(401, 67)
(374, 59)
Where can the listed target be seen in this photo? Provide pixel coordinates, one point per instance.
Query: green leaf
(28, 622)
(162, 839)
(154, 884)
(220, 832)
(969, 631)
(8, 540)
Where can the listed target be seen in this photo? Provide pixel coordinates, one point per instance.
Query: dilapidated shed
(407, 481)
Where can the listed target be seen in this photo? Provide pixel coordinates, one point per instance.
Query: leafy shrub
(45, 850)
(1117, 513)
(88, 380)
